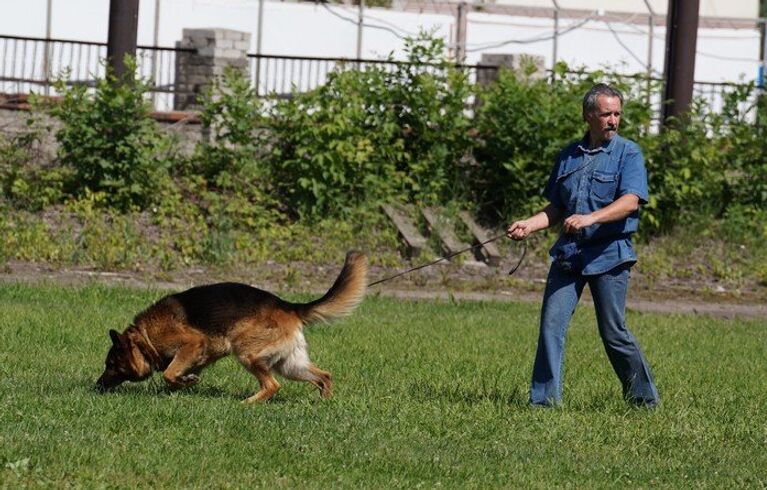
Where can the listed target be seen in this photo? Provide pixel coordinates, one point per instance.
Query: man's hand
(576, 222)
(616, 210)
(519, 230)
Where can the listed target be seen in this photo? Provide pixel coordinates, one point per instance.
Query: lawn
(427, 394)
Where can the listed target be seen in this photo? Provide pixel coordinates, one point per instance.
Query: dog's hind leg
(322, 380)
(269, 385)
(306, 371)
(295, 365)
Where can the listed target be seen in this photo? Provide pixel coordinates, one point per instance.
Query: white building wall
(746, 9)
(722, 54)
(307, 29)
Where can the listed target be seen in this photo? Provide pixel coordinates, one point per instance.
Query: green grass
(427, 394)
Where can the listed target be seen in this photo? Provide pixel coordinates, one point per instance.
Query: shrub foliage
(371, 135)
(110, 142)
(417, 133)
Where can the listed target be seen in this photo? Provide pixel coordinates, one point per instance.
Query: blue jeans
(563, 290)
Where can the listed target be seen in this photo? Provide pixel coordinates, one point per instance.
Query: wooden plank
(481, 234)
(415, 242)
(447, 236)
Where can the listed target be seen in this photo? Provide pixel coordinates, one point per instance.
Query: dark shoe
(643, 403)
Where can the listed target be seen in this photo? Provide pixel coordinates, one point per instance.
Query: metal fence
(281, 75)
(30, 64)
(711, 95)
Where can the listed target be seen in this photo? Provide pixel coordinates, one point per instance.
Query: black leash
(512, 271)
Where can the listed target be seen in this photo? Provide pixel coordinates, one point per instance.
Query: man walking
(595, 189)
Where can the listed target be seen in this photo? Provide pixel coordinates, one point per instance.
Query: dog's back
(216, 308)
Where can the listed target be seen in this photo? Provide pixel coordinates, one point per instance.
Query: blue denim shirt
(583, 181)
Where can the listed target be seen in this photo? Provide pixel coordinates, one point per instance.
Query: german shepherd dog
(182, 333)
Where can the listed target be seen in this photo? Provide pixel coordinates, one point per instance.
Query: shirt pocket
(603, 186)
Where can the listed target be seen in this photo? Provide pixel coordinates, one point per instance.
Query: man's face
(604, 120)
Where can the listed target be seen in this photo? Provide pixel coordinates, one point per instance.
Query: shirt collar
(606, 146)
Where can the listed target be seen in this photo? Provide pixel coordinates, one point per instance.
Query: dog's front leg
(182, 371)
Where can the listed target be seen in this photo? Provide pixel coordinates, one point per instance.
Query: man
(595, 189)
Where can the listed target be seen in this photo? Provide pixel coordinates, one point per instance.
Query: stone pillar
(213, 51)
(516, 62)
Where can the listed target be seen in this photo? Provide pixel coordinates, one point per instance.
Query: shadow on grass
(154, 387)
(157, 388)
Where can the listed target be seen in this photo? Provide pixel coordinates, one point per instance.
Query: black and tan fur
(184, 332)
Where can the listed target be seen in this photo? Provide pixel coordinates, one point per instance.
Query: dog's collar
(155, 360)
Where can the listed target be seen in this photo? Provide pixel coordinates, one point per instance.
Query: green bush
(372, 135)
(706, 163)
(338, 146)
(685, 174)
(111, 143)
(233, 117)
(430, 110)
(269, 168)
(523, 124)
(227, 177)
(742, 139)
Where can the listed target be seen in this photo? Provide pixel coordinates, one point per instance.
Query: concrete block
(207, 33)
(207, 51)
(243, 46)
(230, 53)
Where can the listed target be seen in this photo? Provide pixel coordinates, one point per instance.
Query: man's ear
(115, 337)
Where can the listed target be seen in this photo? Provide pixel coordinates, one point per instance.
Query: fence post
(555, 38)
(47, 52)
(679, 69)
(259, 39)
(123, 30)
(460, 32)
(213, 50)
(155, 43)
(763, 67)
(360, 25)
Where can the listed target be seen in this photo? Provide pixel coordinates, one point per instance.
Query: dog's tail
(345, 294)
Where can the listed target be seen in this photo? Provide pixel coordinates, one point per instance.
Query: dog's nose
(101, 385)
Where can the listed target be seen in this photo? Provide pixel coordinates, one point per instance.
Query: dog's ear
(115, 337)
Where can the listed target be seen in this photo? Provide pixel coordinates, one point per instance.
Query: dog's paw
(262, 396)
(189, 379)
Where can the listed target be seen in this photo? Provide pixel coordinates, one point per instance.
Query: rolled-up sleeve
(633, 178)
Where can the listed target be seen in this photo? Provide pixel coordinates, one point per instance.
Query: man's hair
(590, 99)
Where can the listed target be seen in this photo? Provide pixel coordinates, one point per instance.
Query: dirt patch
(449, 282)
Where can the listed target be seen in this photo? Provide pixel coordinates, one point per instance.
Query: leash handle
(422, 266)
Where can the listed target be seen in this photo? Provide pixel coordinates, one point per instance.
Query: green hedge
(365, 137)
